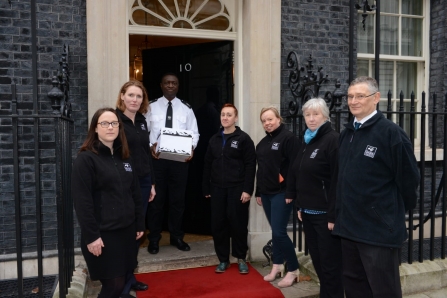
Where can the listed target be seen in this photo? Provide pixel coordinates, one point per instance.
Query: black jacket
(137, 136)
(275, 154)
(313, 175)
(377, 182)
(231, 164)
(106, 192)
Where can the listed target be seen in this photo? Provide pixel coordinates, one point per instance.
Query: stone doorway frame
(257, 72)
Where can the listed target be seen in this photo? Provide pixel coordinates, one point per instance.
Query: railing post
(433, 175)
(410, 212)
(422, 182)
(401, 109)
(444, 195)
(389, 108)
(18, 213)
(62, 111)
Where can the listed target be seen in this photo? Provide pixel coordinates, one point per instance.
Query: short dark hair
(168, 74)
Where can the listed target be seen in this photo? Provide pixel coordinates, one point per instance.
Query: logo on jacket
(370, 151)
(143, 127)
(275, 146)
(127, 167)
(234, 144)
(314, 153)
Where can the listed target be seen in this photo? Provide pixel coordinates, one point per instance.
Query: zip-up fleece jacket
(106, 192)
(231, 164)
(275, 154)
(377, 182)
(313, 175)
(137, 136)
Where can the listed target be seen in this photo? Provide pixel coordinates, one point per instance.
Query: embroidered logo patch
(143, 127)
(127, 167)
(370, 151)
(275, 146)
(314, 153)
(234, 144)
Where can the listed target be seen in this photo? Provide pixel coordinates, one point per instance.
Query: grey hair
(317, 103)
(371, 82)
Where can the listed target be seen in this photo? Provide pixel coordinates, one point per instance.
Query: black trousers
(229, 219)
(370, 271)
(325, 251)
(170, 184)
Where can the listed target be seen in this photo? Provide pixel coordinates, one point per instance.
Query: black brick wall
(58, 23)
(319, 28)
(438, 60)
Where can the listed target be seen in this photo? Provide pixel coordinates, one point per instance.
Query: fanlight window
(185, 14)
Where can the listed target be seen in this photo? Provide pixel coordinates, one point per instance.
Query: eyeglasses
(105, 124)
(360, 97)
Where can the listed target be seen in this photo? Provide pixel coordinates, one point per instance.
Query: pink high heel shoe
(290, 278)
(277, 269)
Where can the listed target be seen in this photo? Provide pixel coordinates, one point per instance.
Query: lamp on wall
(138, 61)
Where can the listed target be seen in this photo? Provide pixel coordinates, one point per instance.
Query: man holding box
(171, 176)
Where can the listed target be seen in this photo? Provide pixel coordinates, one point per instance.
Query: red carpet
(204, 282)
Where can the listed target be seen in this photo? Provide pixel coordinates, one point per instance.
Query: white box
(174, 144)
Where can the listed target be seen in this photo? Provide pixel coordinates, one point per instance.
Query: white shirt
(365, 119)
(183, 118)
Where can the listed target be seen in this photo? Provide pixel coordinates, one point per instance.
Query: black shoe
(180, 244)
(126, 296)
(139, 286)
(153, 247)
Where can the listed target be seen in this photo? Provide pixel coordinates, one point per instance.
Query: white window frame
(422, 69)
(230, 5)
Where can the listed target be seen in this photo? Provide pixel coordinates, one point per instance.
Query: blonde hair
(274, 110)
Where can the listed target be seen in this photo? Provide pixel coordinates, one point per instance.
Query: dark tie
(169, 116)
(356, 125)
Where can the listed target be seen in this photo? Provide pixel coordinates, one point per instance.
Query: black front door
(205, 73)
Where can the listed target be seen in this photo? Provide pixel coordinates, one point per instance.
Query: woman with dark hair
(228, 180)
(107, 201)
(131, 104)
(275, 154)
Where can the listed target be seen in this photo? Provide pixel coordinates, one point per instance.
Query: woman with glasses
(313, 184)
(107, 200)
(131, 104)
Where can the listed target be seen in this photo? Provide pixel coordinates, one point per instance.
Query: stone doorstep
(170, 258)
(415, 278)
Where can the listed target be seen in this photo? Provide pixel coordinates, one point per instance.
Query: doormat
(203, 282)
(9, 287)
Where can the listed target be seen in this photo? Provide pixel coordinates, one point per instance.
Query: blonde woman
(275, 154)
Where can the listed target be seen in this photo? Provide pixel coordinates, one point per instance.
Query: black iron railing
(304, 83)
(51, 157)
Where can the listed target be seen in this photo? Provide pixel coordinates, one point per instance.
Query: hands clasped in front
(245, 197)
(96, 246)
(330, 225)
